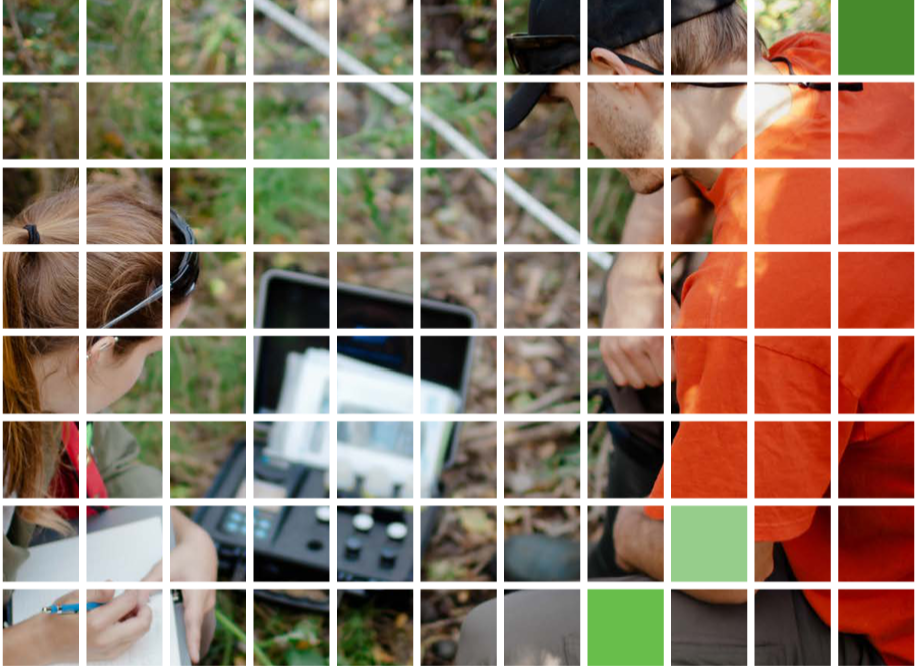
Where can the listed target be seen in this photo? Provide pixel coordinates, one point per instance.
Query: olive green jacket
(116, 453)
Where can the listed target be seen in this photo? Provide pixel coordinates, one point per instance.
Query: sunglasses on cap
(185, 279)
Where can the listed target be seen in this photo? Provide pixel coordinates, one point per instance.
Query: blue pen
(65, 609)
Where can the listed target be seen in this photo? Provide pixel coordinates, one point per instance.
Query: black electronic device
(292, 543)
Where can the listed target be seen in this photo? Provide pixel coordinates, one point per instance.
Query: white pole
(459, 143)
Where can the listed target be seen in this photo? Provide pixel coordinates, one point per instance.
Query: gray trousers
(543, 628)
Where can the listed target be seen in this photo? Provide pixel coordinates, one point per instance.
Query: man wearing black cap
(708, 37)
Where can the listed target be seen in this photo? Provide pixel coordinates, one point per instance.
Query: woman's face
(112, 380)
(110, 374)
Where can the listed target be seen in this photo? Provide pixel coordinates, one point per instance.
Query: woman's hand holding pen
(113, 628)
(55, 638)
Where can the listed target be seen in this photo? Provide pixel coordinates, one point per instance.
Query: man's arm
(639, 547)
(692, 216)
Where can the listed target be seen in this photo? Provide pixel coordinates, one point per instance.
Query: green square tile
(708, 543)
(876, 37)
(625, 627)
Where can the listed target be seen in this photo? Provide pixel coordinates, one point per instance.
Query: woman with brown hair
(124, 289)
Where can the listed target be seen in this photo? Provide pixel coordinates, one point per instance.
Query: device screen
(294, 303)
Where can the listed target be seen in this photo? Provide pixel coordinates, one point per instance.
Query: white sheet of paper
(126, 552)
(147, 651)
(52, 562)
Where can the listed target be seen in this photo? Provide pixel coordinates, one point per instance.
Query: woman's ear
(101, 348)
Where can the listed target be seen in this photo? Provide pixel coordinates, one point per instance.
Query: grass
(371, 127)
(208, 121)
(124, 120)
(124, 37)
(471, 108)
(377, 34)
(610, 198)
(213, 202)
(197, 450)
(291, 121)
(557, 189)
(219, 298)
(371, 633)
(49, 31)
(374, 206)
(278, 52)
(228, 645)
(40, 121)
(291, 205)
(208, 375)
(287, 636)
(207, 37)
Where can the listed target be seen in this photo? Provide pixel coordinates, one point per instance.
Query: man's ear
(604, 59)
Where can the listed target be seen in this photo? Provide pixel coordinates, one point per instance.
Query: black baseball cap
(553, 40)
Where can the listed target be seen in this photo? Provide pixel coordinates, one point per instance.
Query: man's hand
(638, 542)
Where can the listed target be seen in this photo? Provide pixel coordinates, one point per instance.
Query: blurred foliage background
(40, 121)
(228, 645)
(22, 186)
(213, 202)
(471, 108)
(124, 37)
(557, 189)
(291, 205)
(207, 375)
(219, 298)
(278, 52)
(208, 121)
(375, 628)
(41, 36)
(124, 120)
(457, 206)
(291, 121)
(286, 635)
(516, 19)
(776, 19)
(378, 33)
(610, 198)
(207, 36)
(374, 206)
(197, 450)
(458, 37)
(370, 126)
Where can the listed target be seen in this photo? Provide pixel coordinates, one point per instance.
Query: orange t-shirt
(793, 374)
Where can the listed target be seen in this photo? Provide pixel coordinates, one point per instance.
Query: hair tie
(34, 238)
